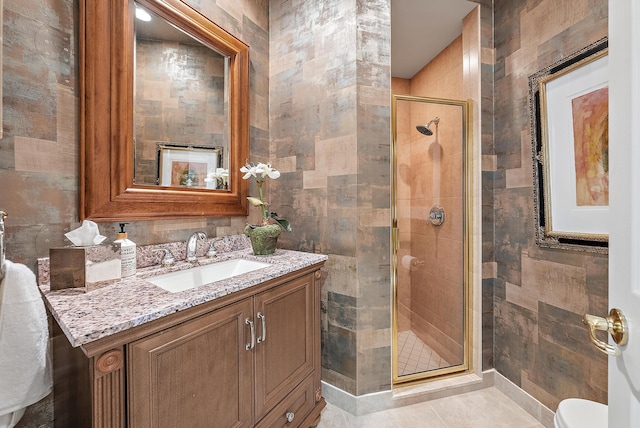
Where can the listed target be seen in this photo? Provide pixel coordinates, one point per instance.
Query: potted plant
(263, 236)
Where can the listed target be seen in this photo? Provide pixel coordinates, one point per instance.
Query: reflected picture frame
(187, 166)
(569, 135)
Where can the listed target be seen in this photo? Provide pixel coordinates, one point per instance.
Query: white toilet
(578, 413)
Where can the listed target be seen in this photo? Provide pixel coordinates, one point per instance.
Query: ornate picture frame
(186, 166)
(569, 135)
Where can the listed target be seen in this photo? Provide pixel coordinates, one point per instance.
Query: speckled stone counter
(88, 316)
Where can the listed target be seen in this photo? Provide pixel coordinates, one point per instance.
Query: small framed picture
(186, 166)
(569, 103)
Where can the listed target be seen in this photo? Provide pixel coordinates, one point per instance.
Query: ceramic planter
(263, 238)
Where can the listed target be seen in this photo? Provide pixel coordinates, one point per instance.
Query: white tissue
(87, 234)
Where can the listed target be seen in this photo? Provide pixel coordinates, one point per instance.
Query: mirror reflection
(181, 108)
(190, 125)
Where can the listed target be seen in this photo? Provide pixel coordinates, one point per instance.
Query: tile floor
(414, 356)
(487, 408)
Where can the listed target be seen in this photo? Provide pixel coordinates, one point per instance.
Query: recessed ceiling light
(142, 15)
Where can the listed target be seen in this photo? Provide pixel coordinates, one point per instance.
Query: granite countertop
(88, 316)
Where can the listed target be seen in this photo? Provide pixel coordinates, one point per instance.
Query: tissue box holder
(88, 267)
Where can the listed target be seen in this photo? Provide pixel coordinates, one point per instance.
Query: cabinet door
(196, 374)
(284, 355)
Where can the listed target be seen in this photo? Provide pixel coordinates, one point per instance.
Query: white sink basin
(200, 275)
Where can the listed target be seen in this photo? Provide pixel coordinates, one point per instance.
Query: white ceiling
(159, 29)
(421, 29)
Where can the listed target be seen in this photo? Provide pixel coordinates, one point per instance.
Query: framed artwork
(570, 140)
(186, 166)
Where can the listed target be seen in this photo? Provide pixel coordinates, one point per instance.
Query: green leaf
(282, 222)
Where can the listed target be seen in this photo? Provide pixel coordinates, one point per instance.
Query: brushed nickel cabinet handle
(251, 344)
(263, 337)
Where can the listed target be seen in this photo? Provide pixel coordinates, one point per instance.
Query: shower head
(424, 129)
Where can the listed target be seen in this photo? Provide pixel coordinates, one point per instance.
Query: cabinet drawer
(298, 403)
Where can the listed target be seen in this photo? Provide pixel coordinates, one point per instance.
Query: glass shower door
(431, 237)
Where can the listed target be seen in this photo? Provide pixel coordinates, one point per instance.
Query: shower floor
(414, 356)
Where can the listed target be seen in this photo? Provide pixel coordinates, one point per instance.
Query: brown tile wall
(40, 146)
(488, 175)
(539, 294)
(328, 133)
(330, 121)
(403, 200)
(39, 151)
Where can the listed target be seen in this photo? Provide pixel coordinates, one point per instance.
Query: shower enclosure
(431, 237)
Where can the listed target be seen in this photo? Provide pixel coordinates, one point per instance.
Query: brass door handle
(615, 324)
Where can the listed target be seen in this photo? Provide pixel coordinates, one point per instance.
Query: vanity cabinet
(253, 360)
(231, 366)
(193, 374)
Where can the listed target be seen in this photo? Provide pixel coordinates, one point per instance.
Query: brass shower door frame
(467, 199)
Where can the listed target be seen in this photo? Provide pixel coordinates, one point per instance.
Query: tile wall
(39, 150)
(539, 294)
(320, 111)
(330, 121)
(401, 86)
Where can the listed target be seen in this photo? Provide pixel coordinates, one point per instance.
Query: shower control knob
(436, 215)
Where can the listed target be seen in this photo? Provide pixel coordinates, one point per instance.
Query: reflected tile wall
(179, 99)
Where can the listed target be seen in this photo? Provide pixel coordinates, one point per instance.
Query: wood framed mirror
(109, 190)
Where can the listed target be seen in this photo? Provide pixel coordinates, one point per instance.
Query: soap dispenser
(127, 252)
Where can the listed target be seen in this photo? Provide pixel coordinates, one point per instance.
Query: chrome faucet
(168, 258)
(192, 246)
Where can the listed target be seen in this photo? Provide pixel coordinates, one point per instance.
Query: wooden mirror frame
(107, 190)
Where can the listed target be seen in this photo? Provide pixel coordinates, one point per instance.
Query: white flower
(219, 173)
(267, 170)
(259, 171)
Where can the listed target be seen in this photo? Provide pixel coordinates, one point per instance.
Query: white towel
(25, 375)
